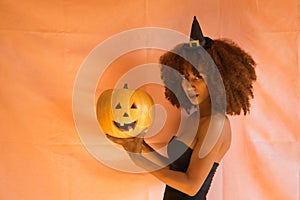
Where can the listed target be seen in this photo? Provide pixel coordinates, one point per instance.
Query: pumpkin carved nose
(125, 115)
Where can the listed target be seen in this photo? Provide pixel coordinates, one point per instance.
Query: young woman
(192, 73)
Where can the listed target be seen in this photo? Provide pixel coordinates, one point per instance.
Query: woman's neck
(205, 108)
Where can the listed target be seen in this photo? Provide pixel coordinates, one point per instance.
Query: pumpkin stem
(125, 86)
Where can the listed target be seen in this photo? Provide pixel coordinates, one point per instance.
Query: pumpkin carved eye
(133, 106)
(118, 106)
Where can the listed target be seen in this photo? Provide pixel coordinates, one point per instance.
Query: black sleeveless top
(179, 150)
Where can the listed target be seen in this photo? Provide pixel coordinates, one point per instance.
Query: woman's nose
(187, 82)
(190, 86)
(191, 83)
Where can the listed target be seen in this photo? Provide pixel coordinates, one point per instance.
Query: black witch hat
(196, 37)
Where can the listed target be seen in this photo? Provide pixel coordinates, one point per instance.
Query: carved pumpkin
(124, 113)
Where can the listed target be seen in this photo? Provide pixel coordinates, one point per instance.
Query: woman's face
(194, 85)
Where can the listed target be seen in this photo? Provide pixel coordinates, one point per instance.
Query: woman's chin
(194, 101)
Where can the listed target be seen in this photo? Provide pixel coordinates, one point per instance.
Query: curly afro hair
(235, 66)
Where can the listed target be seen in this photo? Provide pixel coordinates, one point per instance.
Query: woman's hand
(134, 147)
(133, 144)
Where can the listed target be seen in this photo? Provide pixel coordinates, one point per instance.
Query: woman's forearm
(152, 155)
(175, 179)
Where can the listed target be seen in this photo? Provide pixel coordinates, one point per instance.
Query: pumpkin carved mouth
(125, 127)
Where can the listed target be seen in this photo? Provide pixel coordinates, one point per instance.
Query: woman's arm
(137, 145)
(152, 155)
(191, 181)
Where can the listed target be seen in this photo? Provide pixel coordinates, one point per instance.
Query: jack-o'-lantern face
(124, 113)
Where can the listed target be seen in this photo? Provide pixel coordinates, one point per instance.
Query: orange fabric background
(42, 45)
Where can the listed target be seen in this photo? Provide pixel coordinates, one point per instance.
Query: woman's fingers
(119, 140)
(115, 140)
(133, 144)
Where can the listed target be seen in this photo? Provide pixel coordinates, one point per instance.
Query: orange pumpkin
(124, 113)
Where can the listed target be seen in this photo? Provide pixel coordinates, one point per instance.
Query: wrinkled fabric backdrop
(44, 43)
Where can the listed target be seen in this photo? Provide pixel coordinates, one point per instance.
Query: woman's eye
(195, 76)
(198, 76)
(184, 77)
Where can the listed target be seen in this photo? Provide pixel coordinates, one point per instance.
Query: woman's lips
(193, 96)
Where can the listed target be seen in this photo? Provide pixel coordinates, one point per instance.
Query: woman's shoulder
(215, 120)
(214, 131)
